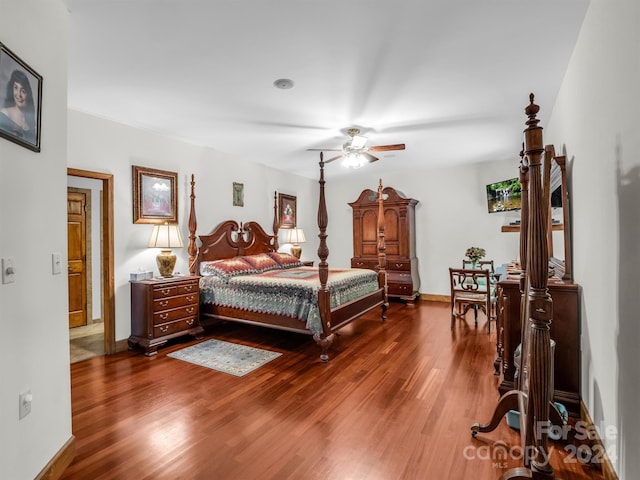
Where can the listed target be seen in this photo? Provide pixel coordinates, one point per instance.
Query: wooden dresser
(400, 237)
(163, 308)
(565, 331)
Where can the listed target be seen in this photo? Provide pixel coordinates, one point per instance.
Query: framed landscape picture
(155, 196)
(287, 209)
(20, 101)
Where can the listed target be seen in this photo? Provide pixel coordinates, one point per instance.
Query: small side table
(164, 308)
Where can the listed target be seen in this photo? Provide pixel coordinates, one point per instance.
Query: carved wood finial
(192, 248)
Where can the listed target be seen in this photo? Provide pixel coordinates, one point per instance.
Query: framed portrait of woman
(287, 209)
(20, 101)
(155, 196)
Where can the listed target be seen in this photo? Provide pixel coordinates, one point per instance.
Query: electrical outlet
(25, 404)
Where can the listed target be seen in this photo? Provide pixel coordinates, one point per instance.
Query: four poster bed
(532, 397)
(245, 278)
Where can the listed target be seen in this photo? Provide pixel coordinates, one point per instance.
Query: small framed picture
(287, 209)
(155, 196)
(238, 194)
(20, 101)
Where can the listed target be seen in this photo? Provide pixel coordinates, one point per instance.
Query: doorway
(102, 225)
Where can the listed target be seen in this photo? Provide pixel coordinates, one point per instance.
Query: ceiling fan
(355, 153)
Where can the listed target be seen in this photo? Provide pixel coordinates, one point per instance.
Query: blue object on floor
(513, 420)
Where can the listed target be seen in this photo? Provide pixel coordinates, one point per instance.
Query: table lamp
(295, 236)
(165, 237)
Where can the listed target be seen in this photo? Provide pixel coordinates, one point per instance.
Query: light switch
(8, 271)
(56, 263)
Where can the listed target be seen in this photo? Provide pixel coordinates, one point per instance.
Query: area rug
(225, 357)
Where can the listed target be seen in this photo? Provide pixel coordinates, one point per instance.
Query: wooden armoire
(400, 238)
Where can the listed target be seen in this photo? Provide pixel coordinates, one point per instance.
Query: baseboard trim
(122, 345)
(606, 467)
(59, 463)
(430, 297)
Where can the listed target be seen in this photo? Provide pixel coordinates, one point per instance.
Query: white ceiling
(449, 78)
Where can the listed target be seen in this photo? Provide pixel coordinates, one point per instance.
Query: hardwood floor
(395, 401)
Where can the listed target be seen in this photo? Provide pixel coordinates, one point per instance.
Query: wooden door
(77, 247)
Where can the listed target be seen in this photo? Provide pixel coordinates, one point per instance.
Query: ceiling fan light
(358, 141)
(354, 160)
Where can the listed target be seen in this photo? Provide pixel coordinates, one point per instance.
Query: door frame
(106, 260)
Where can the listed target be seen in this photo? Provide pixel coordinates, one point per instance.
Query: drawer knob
(164, 316)
(165, 291)
(190, 310)
(190, 298)
(190, 321)
(188, 287)
(164, 328)
(164, 304)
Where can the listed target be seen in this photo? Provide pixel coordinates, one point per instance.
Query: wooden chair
(483, 264)
(472, 288)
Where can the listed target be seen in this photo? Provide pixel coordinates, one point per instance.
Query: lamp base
(166, 261)
(296, 251)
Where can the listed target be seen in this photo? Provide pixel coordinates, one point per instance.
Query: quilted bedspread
(292, 292)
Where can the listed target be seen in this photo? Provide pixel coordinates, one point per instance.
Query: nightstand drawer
(173, 327)
(170, 315)
(188, 288)
(174, 302)
(164, 292)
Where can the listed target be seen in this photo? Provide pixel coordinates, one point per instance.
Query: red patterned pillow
(262, 262)
(286, 260)
(227, 268)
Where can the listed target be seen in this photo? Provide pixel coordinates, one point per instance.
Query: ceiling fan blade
(369, 156)
(333, 158)
(324, 149)
(386, 148)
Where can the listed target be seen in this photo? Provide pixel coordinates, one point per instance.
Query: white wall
(34, 344)
(96, 144)
(596, 119)
(451, 216)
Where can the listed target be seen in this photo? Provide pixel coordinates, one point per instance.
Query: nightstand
(163, 308)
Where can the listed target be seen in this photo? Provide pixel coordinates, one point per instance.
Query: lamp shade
(165, 236)
(295, 235)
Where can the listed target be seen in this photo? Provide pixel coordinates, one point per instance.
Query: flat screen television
(556, 197)
(504, 196)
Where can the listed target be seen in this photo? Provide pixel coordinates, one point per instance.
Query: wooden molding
(430, 297)
(59, 463)
(606, 467)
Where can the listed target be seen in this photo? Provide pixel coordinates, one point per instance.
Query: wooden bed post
(276, 223)
(324, 304)
(532, 397)
(382, 248)
(192, 249)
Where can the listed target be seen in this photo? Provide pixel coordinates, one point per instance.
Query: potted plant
(475, 254)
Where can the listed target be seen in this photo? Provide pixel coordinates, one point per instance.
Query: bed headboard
(230, 239)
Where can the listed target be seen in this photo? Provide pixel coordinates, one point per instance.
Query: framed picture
(287, 209)
(238, 194)
(20, 101)
(155, 196)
